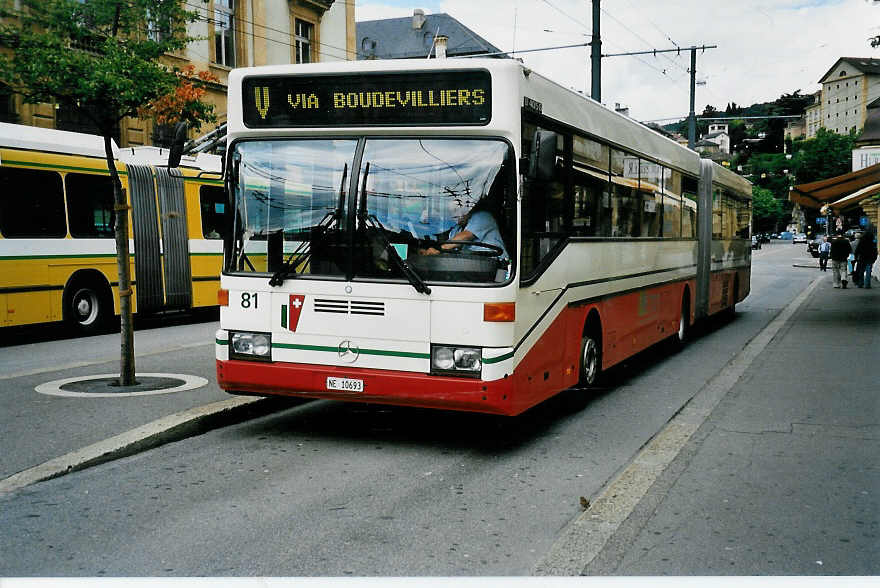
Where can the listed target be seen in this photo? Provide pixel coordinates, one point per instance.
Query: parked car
(785, 235)
(764, 237)
(813, 246)
(756, 242)
(799, 238)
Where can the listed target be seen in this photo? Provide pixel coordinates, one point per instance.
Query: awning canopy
(818, 194)
(853, 199)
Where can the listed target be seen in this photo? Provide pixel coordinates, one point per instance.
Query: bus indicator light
(223, 297)
(499, 312)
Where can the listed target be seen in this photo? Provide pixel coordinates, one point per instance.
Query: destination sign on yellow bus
(440, 98)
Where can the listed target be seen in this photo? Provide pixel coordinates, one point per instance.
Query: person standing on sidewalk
(866, 255)
(854, 265)
(824, 251)
(840, 250)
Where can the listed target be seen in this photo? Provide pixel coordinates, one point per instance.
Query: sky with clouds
(765, 47)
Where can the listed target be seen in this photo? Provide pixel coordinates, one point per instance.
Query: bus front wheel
(591, 361)
(88, 308)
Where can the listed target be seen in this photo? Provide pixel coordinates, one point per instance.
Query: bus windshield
(442, 209)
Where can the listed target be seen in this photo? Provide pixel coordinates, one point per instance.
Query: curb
(586, 537)
(175, 427)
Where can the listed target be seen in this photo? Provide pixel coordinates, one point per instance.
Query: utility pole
(596, 57)
(692, 117)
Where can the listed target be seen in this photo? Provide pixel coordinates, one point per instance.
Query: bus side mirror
(177, 145)
(542, 160)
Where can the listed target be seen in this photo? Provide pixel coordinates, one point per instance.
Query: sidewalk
(48, 435)
(782, 477)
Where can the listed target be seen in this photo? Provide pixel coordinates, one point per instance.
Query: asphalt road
(334, 489)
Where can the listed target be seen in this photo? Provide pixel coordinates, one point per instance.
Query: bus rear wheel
(88, 308)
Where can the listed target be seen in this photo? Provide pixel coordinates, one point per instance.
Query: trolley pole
(596, 57)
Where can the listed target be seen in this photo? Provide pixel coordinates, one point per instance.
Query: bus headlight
(253, 346)
(458, 361)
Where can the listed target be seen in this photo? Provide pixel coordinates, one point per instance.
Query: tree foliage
(185, 103)
(767, 210)
(100, 56)
(825, 156)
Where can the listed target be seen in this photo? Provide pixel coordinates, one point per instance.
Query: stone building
(848, 88)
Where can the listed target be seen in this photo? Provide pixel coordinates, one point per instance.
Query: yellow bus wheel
(87, 307)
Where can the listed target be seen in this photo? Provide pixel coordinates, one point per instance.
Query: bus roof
(53, 141)
(158, 156)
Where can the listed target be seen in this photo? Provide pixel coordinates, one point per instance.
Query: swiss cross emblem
(290, 312)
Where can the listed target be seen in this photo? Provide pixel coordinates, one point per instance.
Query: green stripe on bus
(326, 349)
(497, 359)
(221, 342)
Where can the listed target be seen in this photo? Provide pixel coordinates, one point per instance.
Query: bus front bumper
(379, 386)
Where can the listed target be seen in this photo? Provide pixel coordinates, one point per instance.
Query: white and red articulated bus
(461, 234)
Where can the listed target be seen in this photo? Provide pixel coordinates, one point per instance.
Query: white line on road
(587, 535)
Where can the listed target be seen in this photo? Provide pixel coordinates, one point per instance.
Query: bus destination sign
(400, 99)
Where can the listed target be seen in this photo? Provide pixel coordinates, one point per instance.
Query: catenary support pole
(596, 57)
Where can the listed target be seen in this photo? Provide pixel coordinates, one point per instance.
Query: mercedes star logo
(348, 351)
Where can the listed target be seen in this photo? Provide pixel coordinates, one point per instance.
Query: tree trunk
(126, 362)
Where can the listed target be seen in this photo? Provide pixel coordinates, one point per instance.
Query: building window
(303, 33)
(7, 105)
(224, 32)
(158, 30)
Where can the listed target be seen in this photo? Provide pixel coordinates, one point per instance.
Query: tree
(767, 210)
(825, 156)
(102, 58)
(185, 103)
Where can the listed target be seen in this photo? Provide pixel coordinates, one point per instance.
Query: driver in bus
(478, 225)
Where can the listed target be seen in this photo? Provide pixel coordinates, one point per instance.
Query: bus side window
(90, 205)
(689, 187)
(33, 203)
(671, 203)
(543, 209)
(212, 201)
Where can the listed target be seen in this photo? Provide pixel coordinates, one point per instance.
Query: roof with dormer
(395, 38)
(867, 65)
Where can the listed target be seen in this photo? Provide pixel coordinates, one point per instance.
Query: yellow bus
(57, 247)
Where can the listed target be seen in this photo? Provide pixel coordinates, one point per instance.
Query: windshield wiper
(302, 254)
(371, 222)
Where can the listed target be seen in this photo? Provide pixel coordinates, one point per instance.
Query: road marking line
(138, 439)
(587, 535)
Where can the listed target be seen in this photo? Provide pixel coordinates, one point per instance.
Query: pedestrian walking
(824, 252)
(854, 262)
(866, 255)
(840, 251)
